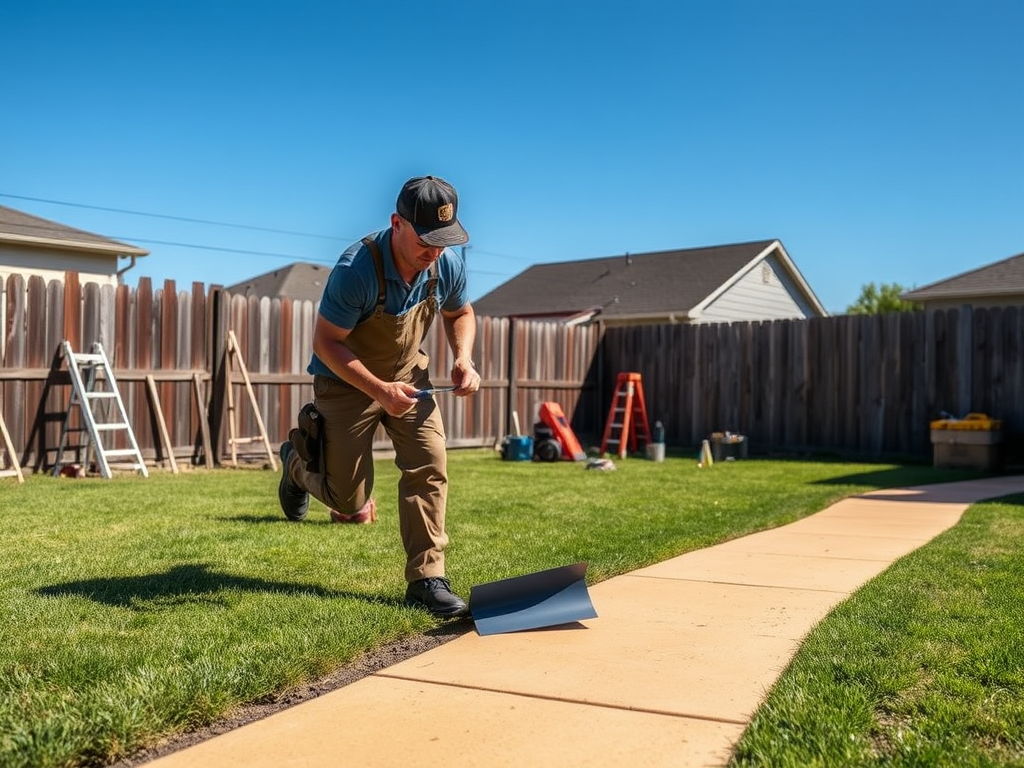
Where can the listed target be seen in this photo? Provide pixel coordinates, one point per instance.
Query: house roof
(19, 228)
(1003, 278)
(638, 285)
(300, 281)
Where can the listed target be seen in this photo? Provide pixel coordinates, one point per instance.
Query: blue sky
(879, 140)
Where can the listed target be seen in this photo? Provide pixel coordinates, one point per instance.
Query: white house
(30, 245)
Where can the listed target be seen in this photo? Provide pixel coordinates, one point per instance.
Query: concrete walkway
(681, 656)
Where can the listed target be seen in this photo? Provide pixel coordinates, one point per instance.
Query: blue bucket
(517, 448)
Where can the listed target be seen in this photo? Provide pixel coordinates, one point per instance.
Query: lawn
(923, 666)
(137, 608)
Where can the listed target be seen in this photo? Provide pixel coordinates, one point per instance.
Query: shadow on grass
(183, 584)
(315, 518)
(909, 475)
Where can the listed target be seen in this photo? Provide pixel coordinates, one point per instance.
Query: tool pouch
(308, 439)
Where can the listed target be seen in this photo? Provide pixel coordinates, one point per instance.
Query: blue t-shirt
(350, 295)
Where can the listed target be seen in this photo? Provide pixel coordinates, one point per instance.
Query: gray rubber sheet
(543, 599)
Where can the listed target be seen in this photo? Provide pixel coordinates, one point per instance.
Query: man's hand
(465, 378)
(396, 397)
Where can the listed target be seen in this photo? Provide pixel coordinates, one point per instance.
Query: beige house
(995, 285)
(720, 284)
(30, 245)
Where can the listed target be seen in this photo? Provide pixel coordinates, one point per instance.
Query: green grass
(137, 608)
(923, 666)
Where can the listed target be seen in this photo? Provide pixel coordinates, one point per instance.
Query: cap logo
(446, 212)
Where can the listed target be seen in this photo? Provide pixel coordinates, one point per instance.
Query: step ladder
(14, 470)
(94, 392)
(627, 422)
(234, 353)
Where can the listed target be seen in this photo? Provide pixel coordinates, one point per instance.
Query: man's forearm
(461, 333)
(347, 367)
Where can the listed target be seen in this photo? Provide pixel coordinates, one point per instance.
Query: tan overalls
(389, 346)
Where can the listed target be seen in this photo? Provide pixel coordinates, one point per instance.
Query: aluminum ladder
(94, 391)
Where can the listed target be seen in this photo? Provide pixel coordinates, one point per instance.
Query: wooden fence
(179, 339)
(852, 385)
(863, 386)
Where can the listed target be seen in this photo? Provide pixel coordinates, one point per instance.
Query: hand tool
(425, 393)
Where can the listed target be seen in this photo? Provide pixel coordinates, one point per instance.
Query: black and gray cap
(431, 205)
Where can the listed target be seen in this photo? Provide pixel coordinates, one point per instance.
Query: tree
(885, 297)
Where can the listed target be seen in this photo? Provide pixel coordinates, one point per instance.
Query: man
(367, 367)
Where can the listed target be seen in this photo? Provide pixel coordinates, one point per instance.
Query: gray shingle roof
(26, 229)
(646, 283)
(300, 281)
(1003, 278)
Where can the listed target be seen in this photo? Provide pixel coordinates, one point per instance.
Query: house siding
(765, 292)
(52, 264)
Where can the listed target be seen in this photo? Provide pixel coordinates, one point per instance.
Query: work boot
(435, 594)
(294, 500)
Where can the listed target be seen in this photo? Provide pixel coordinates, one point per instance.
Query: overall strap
(378, 260)
(432, 286)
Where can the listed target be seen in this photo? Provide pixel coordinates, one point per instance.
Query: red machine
(554, 438)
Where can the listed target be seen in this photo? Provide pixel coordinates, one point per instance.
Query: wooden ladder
(12, 458)
(627, 417)
(94, 391)
(234, 354)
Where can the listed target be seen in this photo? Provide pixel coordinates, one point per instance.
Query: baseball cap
(431, 205)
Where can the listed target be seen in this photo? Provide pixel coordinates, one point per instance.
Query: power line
(168, 216)
(502, 255)
(290, 257)
(227, 250)
(213, 222)
(240, 251)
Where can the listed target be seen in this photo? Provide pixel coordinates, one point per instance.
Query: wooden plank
(984, 354)
(72, 314)
(147, 351)
(234, 352)
(798, 383)
(15, 342)
(47, 403)
(165, 438)
(14, 469)
(167, 301)
(964, 354)
(204, 427)
(1012, 346)
(851, 405)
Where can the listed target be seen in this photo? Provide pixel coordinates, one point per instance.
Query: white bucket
(656, 451)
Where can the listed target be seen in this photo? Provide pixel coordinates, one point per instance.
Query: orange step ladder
(627, 417)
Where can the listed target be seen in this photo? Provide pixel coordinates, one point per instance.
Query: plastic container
(972, 442)
(517, 448)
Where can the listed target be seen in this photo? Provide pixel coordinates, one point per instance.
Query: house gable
(714, 284)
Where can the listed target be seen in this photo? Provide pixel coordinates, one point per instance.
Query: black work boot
(435, 594)
(294, 500)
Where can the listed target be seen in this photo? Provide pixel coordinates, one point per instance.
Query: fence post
(513, 372)
(216, 362)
